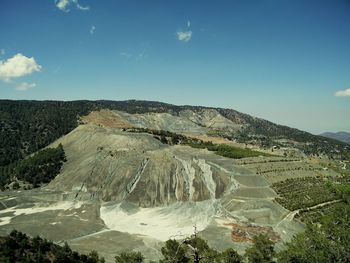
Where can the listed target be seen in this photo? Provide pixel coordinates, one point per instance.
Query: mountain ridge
(45, 121)
(340, 136)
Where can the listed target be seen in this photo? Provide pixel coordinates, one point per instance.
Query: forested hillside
(18, 247)
(27, 126)
(34, 170)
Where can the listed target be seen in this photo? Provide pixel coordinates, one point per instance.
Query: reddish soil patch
(245, 233)
(106, 118)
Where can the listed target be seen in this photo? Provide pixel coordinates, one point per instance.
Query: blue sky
(280, 60)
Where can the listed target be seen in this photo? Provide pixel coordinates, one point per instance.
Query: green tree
(262, 250)
(130, 257)
(326, 242)
(174, 252)
(230, 256)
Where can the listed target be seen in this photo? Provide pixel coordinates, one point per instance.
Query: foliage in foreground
(193, 249)
(126, 257)
(262, 251)
(18, 247)
(328, 241)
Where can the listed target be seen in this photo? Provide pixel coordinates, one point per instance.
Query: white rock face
(188, 173)
(207, 176)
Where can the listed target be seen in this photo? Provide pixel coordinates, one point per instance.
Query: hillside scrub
(37, 169)
(18, 247)
(314, 197)
(305, 192)
(226, 150)
(323, 242)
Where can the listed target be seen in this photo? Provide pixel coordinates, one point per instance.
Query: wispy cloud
(63, 5)
(137, 56)
(185, 35)
(125, 54)
(141, 56)
(25, 86)
(18, 66)
(92, 30)
(2, 52)
(343, 93)
(83, 8)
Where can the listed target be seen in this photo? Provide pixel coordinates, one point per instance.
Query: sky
(285, 61)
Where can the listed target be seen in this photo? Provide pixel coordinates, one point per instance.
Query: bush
(262, 250)
(130, 257)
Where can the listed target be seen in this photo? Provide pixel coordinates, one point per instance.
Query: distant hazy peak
(340, 136)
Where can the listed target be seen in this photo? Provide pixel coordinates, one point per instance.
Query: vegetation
(18, 247)
(37, 169)
(315, 197)
(327, 235)
(314, 216)
(190, 250)
(131, 257)
(267, 134)
(226, 150)
(327, 241)
(262, 250)
(28, 126)
(305, 192)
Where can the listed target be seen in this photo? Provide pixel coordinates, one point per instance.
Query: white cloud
(18, 66)
(184, 35)
(25, 86)
(83, 8)
(92, 30)
(343, 93)
(64, 4)
(134, 56)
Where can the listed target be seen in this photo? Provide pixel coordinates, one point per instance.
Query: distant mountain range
(340, 136)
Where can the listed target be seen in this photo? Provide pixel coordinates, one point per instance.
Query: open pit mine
(121, 189)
